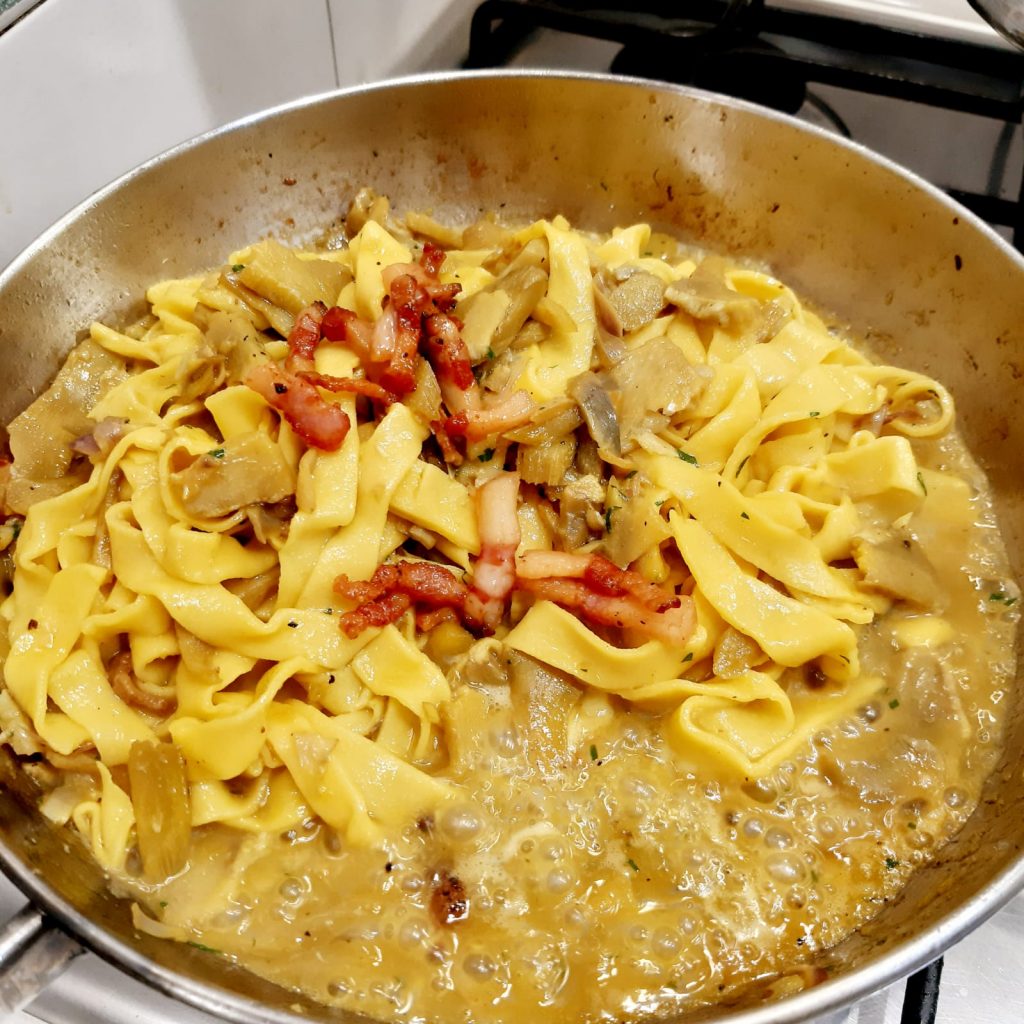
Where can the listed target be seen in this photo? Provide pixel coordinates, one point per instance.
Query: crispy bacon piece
(673, 626)
(351, 386)
(380, 612)
(393, 589)
(448, 901)
(426, 621)
(432, 584)
(342, 325)
(319, 423)
(494, 572)
(408, 299)
(305, 336)
(448, 352)
(476, 424)
(432, 259)
(385, 578)
(444, 295)
(451, 454)
(606, 577)
(441, 295)
(599, 590)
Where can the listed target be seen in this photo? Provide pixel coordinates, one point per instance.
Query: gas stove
(914, 79)
(926, 82)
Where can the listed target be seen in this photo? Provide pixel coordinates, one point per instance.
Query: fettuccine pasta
(427, 557)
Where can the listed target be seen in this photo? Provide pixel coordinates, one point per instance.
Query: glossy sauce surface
(601, 876)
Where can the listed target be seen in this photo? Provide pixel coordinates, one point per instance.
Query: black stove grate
(921, 996)
(753, 51)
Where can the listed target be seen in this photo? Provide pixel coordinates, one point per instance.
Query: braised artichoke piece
(648, 385)
(368, 204)
(898, 567)
(629, 304)
(160, 799)
(543, 701)
(547, 444)
(41, 437)
(494, 316)
(276, 282)
(705, 295)
(598, 411)
(247, 470)
(237, 340)
(654, 378)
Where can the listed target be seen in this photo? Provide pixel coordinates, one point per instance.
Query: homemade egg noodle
(495, 624)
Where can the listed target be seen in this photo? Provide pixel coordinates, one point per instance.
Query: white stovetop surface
(89, 88)
(955, 19)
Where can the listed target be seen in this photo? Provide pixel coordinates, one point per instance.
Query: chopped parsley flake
(999, 597)
(743, 515)
(894, 703)
(293, 625)
(217, 453)
(490, 352)
(689, 657)
(163, 903)
(15, 525)
(633, 864)
(658, 504)
(813, 413)
(911, 824)
(921, 484)
(205, 949)
(686, 457)
(608, 517)
(593, 752)
(739, 468)
(891, 862)
(486, 455)
(237, 268)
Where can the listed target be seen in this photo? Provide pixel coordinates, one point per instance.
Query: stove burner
(756, 52)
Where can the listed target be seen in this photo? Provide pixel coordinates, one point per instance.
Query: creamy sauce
(608, 879)
(594, 865)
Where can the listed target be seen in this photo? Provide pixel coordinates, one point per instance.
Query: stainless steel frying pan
(929, 284)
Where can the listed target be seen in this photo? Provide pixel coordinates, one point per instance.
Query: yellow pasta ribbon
(790, 632)
(748, 724)
(566, 352)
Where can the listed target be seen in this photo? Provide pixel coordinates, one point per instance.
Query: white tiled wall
(89, 88)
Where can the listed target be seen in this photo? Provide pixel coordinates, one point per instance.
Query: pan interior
(927, 285)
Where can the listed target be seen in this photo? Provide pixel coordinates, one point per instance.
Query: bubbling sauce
(605, 877)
